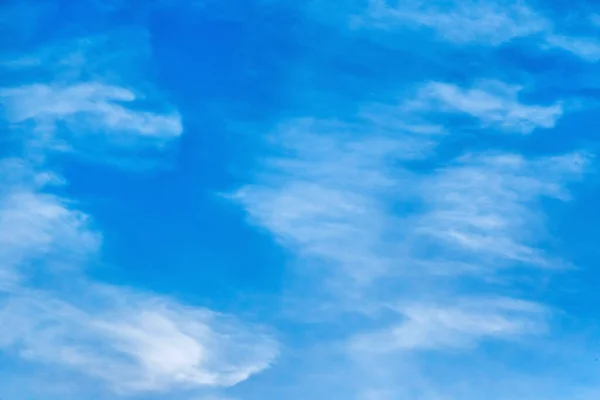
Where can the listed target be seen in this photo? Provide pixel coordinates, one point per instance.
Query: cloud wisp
(480, 23)
(403, 212)
(53, 314)
(493, 103)
(460, 325)
(94, 105)
(394, 242)
(141, 343)
(460, 22)
(83, 106)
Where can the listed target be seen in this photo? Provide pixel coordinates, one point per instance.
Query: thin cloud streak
(469, 22)
(335, 197)
(130, 341)
(493, 103)
(140, 343)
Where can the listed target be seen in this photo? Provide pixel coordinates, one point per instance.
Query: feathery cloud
(494, 103)
(53, 314)
(139, 343)
(459, 21)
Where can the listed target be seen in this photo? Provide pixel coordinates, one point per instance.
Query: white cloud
(95, 102)
(460, 21)
(361, 222)
(325, 195)
(493, 103)
(140, 343)
(338, 196)
(427, 255)
(466, 22)
(455, 325)
(131, 340)
(52, 314)
(87, 108)
(585, 48)
(36, 224)
(487, 208)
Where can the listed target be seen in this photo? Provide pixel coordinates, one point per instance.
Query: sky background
(268, 199)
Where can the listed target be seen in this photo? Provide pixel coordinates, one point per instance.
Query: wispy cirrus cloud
(134, 341)
(458, 325)
(495, 104)
(138, 343)
(323, 196)
(419, 238)
(438, 256)
(91, 102)
(461, 22)
(487, 207)
(332, 190)
(127, 341)
(395, 243)
(338, 200)
(35, 225)
(586, 48)
(89, 108)
(483, 23)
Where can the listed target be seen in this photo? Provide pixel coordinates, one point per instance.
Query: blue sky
(265, 199)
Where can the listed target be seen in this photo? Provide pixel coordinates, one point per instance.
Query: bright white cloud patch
(138, 343)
